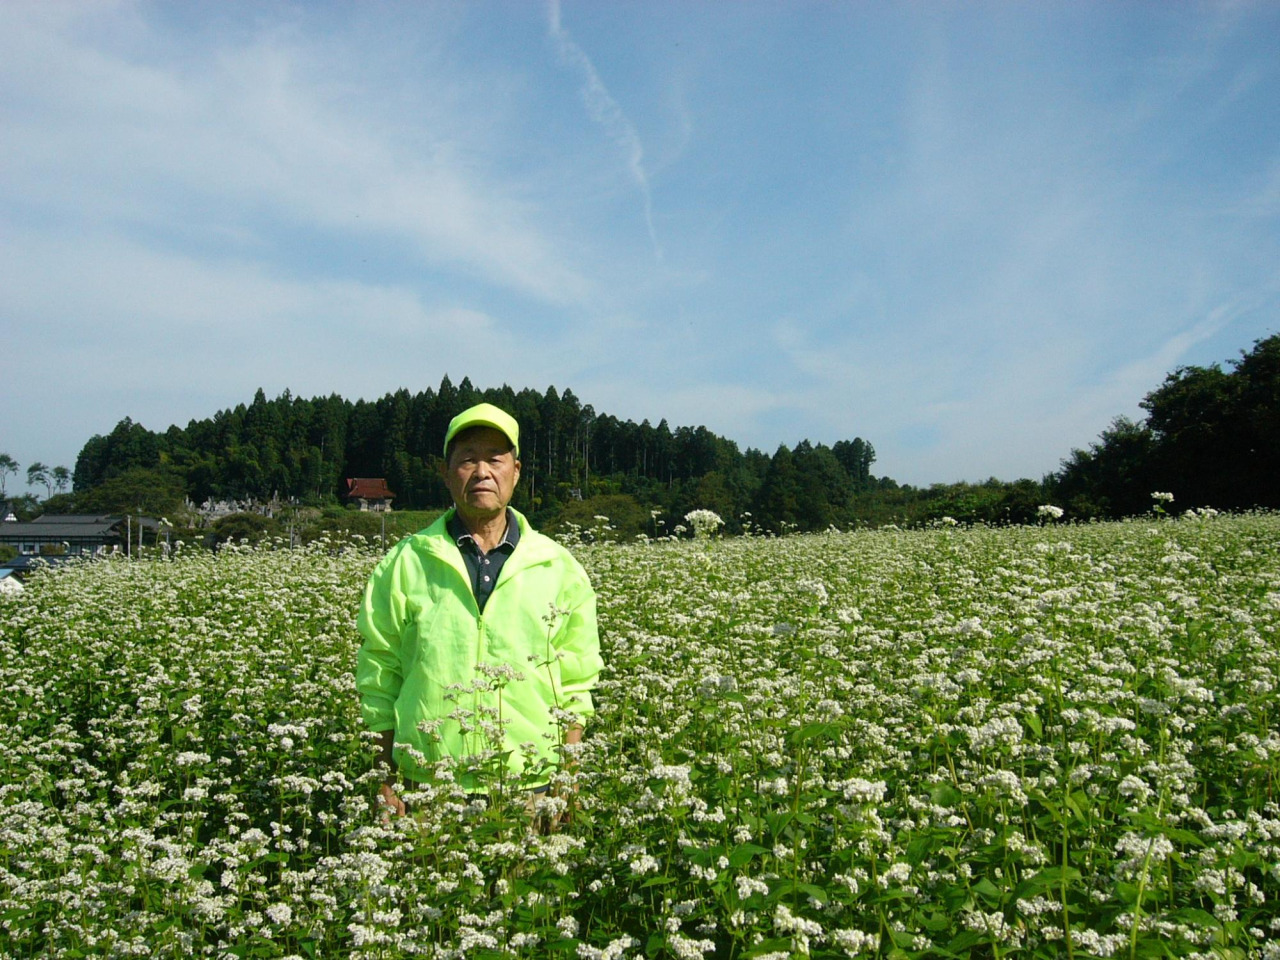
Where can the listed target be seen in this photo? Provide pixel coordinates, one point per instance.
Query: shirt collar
(461, 536)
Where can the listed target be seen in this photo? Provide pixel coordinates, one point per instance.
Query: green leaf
(902, 938)
(768, 946)
(777, 822)
(1050, 878)
(1154, 947)
(816, 731)
(1127, 892)
(744, 853)
(1033, 724)
(956, 898)
(1078, 803)
(987, 890)
(945, 795)
(1196, 916)
(811, 890)
(1243, 859)
(1184, 836)
(935, 922)
(916, 850)
(964, 940)
(894, 893)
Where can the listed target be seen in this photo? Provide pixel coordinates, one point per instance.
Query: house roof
(368, 488)
(51, 531)
(23, 565)
(75, 518)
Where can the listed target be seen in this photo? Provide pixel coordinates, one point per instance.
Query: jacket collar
(532, 549)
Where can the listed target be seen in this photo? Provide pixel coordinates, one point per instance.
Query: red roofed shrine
(370, 492)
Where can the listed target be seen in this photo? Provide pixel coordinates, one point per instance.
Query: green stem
(1066, 916)
(1142, 887)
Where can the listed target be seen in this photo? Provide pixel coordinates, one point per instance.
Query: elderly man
(479, 632)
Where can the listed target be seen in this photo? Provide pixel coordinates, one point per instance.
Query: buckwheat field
(1052, 741)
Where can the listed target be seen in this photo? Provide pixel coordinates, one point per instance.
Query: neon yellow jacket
(423, 634)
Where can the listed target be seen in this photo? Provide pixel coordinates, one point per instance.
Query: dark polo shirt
(484, 567)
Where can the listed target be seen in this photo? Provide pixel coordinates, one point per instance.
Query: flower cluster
(704, 522)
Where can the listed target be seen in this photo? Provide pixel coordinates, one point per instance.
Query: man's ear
(517, 466)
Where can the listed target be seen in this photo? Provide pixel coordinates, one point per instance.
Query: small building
(370, 493)
(14, 572)
(69, 534)
(78, 534)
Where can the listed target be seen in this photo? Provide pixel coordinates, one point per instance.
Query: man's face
(481, 473)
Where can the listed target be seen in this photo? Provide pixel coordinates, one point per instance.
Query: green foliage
(777, 505)
(626, 517)
(61, 503)
(7, 552)
(38, 474)
(8, 466)
(303, 450)
(251, 527)
(343, 524)
(155, 492)
(25, 507)
(1211, 437)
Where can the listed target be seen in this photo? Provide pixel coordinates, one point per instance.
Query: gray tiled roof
(46, 518)
(45, 532)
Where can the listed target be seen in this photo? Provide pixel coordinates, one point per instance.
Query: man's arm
(577, 645)
(378, 677)
(388, 800)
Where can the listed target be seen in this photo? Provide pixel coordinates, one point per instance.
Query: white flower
(854, 942)
(704, 522)
(568, 926)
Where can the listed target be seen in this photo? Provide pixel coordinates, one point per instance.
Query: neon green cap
(485, 415)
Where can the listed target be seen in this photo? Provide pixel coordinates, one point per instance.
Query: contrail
(604, 110)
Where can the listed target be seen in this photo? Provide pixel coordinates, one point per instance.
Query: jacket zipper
(475, 694)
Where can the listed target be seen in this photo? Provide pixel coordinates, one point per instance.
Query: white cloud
(253, 132)
(163, 334)
(605, 110)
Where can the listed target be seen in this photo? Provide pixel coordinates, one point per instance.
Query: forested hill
(292, 447)
(1211, 438)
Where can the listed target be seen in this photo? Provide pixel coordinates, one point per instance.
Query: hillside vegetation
(1211, 438)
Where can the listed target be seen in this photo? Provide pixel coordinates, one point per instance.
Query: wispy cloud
(256, 133)
(603, 109)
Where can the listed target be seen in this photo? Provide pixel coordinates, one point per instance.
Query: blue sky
(971, 234)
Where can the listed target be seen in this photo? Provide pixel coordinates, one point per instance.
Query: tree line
(574, 461)
(1211, 437)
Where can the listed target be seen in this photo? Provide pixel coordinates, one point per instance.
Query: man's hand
(388, 802)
